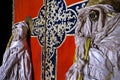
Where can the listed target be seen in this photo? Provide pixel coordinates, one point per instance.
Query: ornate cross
(51, 26)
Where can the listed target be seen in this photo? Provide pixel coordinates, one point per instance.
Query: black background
(5, 25)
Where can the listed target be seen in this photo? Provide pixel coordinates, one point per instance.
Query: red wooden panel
(65, 57)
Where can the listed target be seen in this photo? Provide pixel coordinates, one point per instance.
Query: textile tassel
(86, 47)
(9, 42)
(81, 77)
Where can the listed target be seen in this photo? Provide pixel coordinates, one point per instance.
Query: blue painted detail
(76, 6)
(61, 20)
